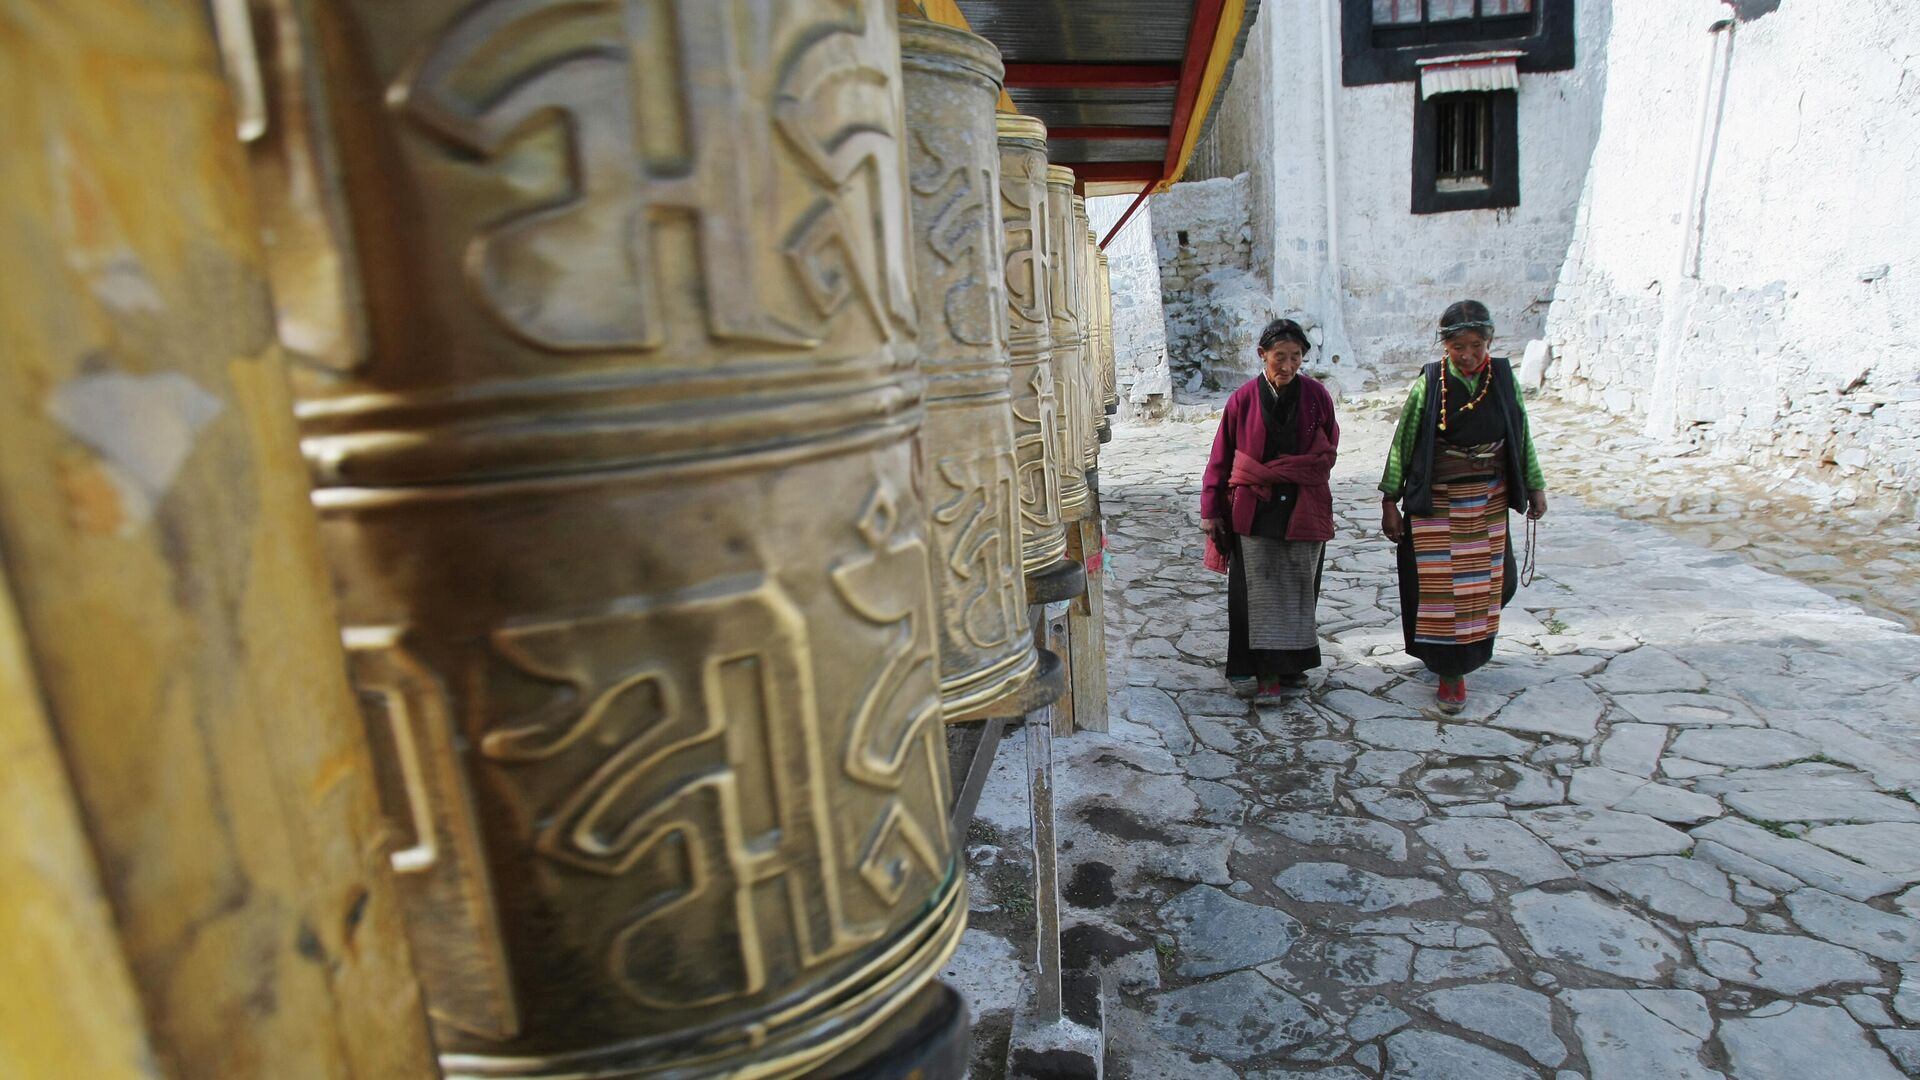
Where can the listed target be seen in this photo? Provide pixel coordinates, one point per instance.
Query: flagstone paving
(1674, 835)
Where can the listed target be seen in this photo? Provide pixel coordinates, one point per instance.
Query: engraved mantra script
(961, 233)
(980, 516)
(580, 272)
(709, 768)
(1026, 259)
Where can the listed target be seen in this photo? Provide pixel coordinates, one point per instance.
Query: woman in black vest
(1461, 456)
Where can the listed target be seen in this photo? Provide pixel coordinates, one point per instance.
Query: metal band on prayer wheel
(1023, 210)
(1064, 271)
(631, 548)
(952, 81)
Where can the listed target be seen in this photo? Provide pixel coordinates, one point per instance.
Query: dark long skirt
(1242, 659)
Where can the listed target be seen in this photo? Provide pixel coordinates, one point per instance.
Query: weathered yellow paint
(71, 1008)
(192, 855)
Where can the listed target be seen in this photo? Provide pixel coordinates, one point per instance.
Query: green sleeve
(1536, 480)
(1404, 437)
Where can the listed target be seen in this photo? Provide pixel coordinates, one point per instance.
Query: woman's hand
(1391, 522)
(1216, 530)
(1536, 504)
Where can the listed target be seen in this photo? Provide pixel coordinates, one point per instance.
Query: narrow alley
(1673, 834)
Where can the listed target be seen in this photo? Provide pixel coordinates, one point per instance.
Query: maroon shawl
(1235, 481)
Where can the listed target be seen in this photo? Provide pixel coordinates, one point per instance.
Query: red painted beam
(1114, 132)
(1206, 23)
(1100, 76)
(1124, 218)
(1084, 171)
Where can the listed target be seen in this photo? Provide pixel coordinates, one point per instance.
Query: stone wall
(1780, 328)
(1214, 305)
(1139, 331)
(1398, 270)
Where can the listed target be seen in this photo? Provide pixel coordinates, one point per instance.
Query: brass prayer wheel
(952, 83)
(630, 538)
(1095, 369)
(1068, 306)
(1109, 368)
(1037, 439)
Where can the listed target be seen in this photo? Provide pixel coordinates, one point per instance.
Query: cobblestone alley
(1673, 835)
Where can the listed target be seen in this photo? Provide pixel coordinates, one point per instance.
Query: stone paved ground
(1673, 835)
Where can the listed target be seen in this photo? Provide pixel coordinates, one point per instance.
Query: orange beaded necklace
(1485, 385)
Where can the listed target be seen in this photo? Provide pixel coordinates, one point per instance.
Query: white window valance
(1469, 73)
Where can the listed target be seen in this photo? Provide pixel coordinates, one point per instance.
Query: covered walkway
(1674, 834)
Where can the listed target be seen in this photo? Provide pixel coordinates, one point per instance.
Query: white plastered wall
(1779, 329)
(1398, 270)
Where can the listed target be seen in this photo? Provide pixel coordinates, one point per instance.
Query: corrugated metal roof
(1079, 31)
(1085, 67)
(1080, 150)
(1089, 107)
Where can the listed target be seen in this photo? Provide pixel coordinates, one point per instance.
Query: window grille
(1463, 161)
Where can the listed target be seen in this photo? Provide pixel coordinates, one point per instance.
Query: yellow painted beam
(1231, 16)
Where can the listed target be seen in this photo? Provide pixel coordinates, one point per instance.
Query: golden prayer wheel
(952, 82)
(1089, 343)
(1096, 358)
(1038, 440)
(1065, 256)
(631, 543)
(1109, 369)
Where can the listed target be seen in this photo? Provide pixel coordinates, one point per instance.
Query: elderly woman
(1462, 455)
(1268, 513)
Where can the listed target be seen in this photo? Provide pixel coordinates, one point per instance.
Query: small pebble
(1477, 888)
(1695, 980)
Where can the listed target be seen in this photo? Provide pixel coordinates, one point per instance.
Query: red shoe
(1452, 695)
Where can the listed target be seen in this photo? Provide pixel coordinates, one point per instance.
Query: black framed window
(1466, 152)
(1382, 39)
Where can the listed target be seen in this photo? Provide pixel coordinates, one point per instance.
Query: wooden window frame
(1544, 39)
(1503, 152)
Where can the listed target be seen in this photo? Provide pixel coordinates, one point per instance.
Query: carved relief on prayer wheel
(1023, 208)
(1109, 370)
(952, 82)
(630, 538)
(1068, 308)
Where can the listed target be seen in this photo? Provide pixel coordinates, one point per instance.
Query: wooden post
(190, 850)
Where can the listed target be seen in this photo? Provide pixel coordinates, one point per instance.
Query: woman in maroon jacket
(1268, 512)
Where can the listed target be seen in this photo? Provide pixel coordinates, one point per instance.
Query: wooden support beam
(1206, 22)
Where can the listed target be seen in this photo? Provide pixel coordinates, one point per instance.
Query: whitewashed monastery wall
(1398, 270)
(1139, 331)
(1788, 334)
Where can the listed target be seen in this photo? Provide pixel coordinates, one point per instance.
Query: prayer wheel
(1109, 369)
(952, 81)
(630, 537)
(1096, 358)
(1036, 417)
(1089, 341)
(1065, 271)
